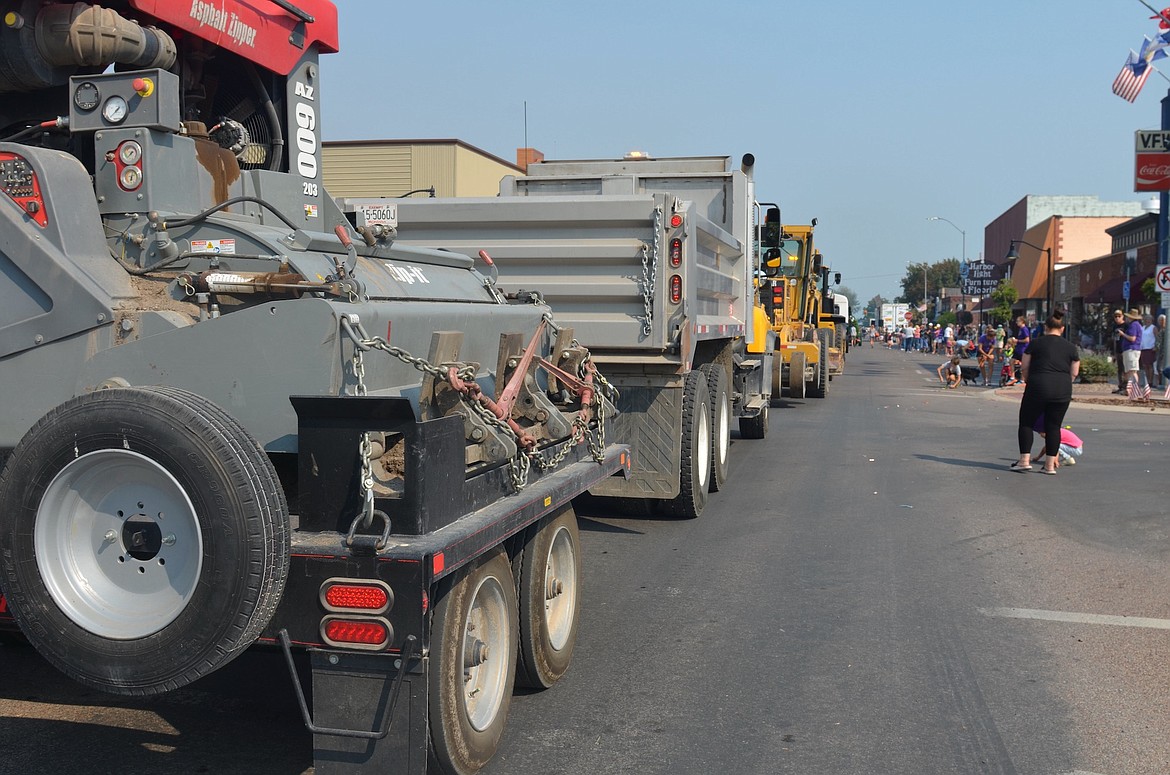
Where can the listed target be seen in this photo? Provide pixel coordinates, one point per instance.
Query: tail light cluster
(128, 165)
(19, 181)
(356, 617)
(676, 259)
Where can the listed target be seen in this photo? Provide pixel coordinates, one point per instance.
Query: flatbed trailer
(231, 418)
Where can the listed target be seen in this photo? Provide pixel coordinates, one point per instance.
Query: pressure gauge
(129, 152)
(86, 96)
(115, 110)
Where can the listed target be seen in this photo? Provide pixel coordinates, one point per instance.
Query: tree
(1150, 290)
(873, 307)
(1004, 296)
(849, 293)
(940, 274)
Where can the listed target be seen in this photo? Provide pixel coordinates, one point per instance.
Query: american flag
(1128, 83)
(1134, 392)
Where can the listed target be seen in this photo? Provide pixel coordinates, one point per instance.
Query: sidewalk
(1101, 393)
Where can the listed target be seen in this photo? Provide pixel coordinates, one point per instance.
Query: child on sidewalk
(1011, 364)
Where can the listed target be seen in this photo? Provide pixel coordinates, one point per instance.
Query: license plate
(377, 215)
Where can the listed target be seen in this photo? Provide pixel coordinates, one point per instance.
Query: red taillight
(366, 596)
(675, 221)
(676, 252)
(356, 633)
(675, 289)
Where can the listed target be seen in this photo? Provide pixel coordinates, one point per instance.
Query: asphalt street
(874, 592)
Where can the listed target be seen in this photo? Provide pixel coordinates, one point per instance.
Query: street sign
(1125, 290)
(1162, 277)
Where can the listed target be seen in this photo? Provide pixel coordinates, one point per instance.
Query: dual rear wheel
(498, 624)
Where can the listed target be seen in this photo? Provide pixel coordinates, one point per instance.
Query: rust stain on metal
(221, 164)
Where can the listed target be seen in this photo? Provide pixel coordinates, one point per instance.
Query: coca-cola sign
(1152, 172)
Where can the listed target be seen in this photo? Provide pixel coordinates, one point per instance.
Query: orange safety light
(675, 220)
(365, 596)
(675, 289)
(370, 634)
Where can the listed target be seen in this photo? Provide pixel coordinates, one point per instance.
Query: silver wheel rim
(560, 588)
(724, 430)
(486, 653)
(117, 544)
(704, 449)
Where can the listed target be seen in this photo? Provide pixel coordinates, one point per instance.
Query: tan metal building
(391, 168)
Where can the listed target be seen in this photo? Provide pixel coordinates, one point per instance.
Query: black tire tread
(240, 463)
(718, 386)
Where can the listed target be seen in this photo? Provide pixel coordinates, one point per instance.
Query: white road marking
(1077, 618)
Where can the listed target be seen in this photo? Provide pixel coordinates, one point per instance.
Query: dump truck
(792, 294)
(231, 418)
(652, 263)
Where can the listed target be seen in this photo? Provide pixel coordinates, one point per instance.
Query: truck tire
(145, 538)
(717, 386)
(754, 427)
(473, 665)
(820, 387)
(777, 376)
(695, 462)
(796, 376)
(548, 584)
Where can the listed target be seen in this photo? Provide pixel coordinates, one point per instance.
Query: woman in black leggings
(1049, 367)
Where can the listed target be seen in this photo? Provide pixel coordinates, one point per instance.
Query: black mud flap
(356, 692)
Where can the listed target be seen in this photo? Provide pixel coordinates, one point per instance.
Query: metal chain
(366, 482)
(520, 464)
(650, 274)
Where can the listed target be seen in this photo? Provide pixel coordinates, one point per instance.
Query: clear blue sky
(868, 116)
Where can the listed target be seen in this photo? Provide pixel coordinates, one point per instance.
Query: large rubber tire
(820, 387)
(548, 584)
(473, 665)
(777, 376)
(695, 462)
(796, 384)
(145, 538)
(754, 427)
(720, 397)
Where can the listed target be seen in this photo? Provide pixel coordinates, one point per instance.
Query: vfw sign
(1152, 160)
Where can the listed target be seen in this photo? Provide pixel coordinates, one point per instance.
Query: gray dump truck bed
(603, 263)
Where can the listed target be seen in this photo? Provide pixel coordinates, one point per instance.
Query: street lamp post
(952, 223)
(1014, 253)
(964, 235)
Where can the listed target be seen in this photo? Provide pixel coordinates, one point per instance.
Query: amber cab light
(675, 221)
(372, 633)
(675, 289)
(676, 252)
(366, 596)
